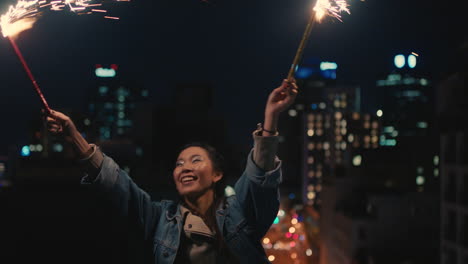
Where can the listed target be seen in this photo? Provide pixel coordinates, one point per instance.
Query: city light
(276, 221)
(412, 61)
(25, 151)
(328, 66)
(379, 113)
(420, 180)
(399, 61)
(292, 112)
(357, 160)
(105, 73)
(57, 147)
(228, 191)
(421, 124)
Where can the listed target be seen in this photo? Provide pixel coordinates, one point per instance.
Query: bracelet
(93, 148)
(260, 128)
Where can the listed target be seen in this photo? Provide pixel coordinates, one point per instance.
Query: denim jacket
(243, 219)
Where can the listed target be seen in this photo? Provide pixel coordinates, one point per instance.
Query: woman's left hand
(278, 101)
(281, 98)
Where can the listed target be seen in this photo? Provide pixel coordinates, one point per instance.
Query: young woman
(204, 227)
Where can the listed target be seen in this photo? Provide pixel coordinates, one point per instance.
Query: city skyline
(373, 149)
(225, 43)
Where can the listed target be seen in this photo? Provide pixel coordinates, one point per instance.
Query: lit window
(419, 170)
(25, 151)
(420, 180)
(356, 116)
(338, 115)
(343, 145)
(292, 112)
(412, 61)
(424, 82)
(39, 147)
(379, 113)
(357, 160)
(421, 124)
(399, 61)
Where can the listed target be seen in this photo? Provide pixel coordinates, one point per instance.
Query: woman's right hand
(61, 125)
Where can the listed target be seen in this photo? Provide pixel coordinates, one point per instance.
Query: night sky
(244, 48)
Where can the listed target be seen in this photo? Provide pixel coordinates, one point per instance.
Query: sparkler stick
(322, 7)
(30, 75)
(22, 17)
(300, 49)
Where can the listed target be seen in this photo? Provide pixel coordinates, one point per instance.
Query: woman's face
(194, 173)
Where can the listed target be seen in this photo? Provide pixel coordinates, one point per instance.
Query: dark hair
(219, 165)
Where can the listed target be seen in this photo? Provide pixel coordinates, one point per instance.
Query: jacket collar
(173, 211)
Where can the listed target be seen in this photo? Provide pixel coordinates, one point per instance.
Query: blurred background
(374, 149)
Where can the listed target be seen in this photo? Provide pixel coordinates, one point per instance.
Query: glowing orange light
(24, 14)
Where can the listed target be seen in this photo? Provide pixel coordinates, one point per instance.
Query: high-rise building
(407, 103)
(112, 104)
(386, 186)
(452, 109)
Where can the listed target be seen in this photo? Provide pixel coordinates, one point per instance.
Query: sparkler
(26, 12)
(322, 8)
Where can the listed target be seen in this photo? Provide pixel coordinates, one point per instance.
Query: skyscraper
(452, 109)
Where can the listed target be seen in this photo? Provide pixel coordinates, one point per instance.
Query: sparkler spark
(322, 8)
(26, 12)
(333, 8)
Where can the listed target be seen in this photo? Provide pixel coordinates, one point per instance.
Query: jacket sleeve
(124, 195)
(257, 191)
